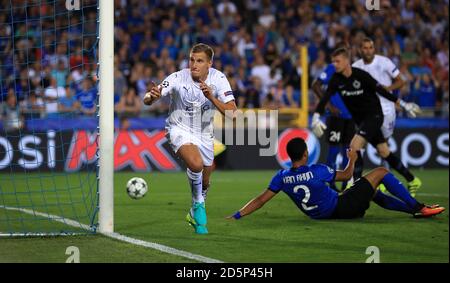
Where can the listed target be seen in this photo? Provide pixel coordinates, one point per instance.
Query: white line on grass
(117, 236)
(432, 195)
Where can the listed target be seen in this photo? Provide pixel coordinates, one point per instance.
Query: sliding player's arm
(254, 204)
(347, 173)
(274, 187)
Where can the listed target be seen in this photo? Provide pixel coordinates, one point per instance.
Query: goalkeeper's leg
(414, 183)
(357, 144)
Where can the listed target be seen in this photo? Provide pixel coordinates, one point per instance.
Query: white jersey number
(305, 198)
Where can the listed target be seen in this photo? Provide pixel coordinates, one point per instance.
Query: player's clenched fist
(153, 94)
(207, 91)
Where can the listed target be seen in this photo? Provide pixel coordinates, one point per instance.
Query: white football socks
(195, 181)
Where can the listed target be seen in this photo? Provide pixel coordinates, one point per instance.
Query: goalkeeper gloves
(317, 125)
(411, 109)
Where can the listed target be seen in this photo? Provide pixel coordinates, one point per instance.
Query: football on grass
(137, 188)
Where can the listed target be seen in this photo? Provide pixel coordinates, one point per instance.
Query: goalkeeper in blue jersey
(307, 187)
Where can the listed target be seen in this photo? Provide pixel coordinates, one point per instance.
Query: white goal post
(106, 116)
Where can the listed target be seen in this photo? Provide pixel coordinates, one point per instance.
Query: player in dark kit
(307, 187)
(359, 91)
(340, 125)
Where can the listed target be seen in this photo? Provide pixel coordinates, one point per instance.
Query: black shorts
(370, 129)
(340, 130)
(354, 202)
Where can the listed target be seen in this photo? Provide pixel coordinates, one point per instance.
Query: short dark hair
(296, 147)
(342, 44)
(341, 51)
(201, 47)
(366, 39)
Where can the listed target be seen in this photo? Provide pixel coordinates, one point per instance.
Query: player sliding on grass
(308, 189)
(195, 93)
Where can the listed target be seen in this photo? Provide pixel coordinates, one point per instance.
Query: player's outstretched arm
(411, 108)
(397, 84)
(254, 204)
(348, 171)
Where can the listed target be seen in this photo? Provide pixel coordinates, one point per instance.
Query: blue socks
(391, 203)
(396, 188)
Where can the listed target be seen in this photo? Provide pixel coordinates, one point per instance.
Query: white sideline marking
(8, 235)
(162, 248)
(117, 236)
(432, 195)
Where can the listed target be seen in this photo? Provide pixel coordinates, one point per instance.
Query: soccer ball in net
(137, 188)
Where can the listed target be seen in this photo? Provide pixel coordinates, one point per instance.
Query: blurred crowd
(256, 45)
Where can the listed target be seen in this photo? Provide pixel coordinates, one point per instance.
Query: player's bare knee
(375, 176)
(382, 171)
(196, 166)
(384, 152)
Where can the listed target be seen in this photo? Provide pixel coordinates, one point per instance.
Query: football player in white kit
(194, 95)
(387, 74)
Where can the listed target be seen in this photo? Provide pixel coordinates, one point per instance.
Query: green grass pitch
(278, 232)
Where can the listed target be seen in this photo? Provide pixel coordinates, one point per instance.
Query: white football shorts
(388, 125)
(178, 137)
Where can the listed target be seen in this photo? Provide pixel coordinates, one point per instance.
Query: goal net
(49, 122)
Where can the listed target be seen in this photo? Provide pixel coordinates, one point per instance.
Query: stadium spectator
(129, 104)
(252, 96)
(87, 97)
(445, 100)
(262, 71)
(425, 94)
(291, 97)
(120, 83)
(410, 33)
(318, 65)
(60, 74)
(33, 107)
(51, 96)
(12, 119)
(68, 105)
(272, 101)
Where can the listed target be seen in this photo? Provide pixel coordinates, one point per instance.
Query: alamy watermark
(74, 254)
(250, 127)
(374, 253)
(373, 5)
(72, 5)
